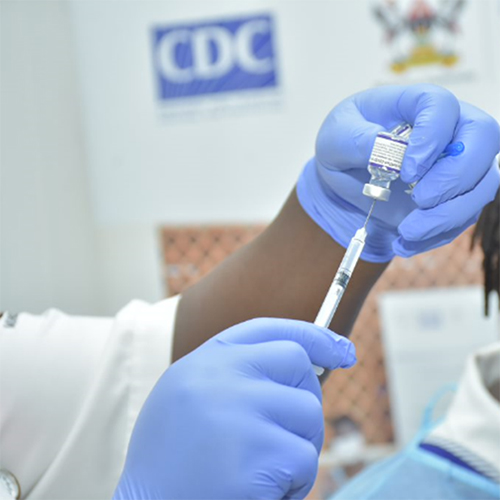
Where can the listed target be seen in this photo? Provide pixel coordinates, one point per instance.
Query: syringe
(384, 166)
(341, 280)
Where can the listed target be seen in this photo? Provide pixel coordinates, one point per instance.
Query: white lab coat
(71, 389)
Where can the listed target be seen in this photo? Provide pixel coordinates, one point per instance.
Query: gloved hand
(451, 192)
(240, 417)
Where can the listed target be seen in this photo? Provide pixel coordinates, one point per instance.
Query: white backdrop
(91, 162)
(427, 337)
(234, 157)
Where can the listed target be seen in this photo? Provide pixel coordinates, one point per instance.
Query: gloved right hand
(451, 192)
(240, 417)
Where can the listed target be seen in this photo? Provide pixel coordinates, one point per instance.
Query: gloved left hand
(240, 417)
(451, 192)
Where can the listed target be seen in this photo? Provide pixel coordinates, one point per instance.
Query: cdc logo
(209, 58)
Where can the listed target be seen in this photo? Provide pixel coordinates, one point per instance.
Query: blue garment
(448, 455)
(417, 473)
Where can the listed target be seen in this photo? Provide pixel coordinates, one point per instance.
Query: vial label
(388, 152)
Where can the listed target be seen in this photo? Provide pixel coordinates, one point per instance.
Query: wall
(130, 265)
(52, 253)
(47, 235)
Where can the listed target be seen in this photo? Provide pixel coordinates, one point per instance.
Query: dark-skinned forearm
(285, 272)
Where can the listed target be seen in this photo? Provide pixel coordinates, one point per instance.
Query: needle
(369, 213)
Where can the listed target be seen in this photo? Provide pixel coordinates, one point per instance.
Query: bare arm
(285, 272)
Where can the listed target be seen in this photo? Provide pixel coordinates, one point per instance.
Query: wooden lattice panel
(361, 393)
(192, 252)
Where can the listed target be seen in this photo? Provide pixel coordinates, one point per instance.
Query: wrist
(341, 219)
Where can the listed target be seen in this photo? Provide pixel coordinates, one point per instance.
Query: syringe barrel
(341, 279)
(339, 284)
(353, 253)
(330, 304)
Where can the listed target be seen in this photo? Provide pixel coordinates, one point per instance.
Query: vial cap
(376, 192)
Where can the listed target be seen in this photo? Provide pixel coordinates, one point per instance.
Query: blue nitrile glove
(452, 191)
(240, 417)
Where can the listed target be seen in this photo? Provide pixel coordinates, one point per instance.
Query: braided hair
(487, 234)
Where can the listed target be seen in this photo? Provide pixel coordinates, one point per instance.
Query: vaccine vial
(385, 161)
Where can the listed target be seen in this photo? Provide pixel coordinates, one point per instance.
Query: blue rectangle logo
(214, 57)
